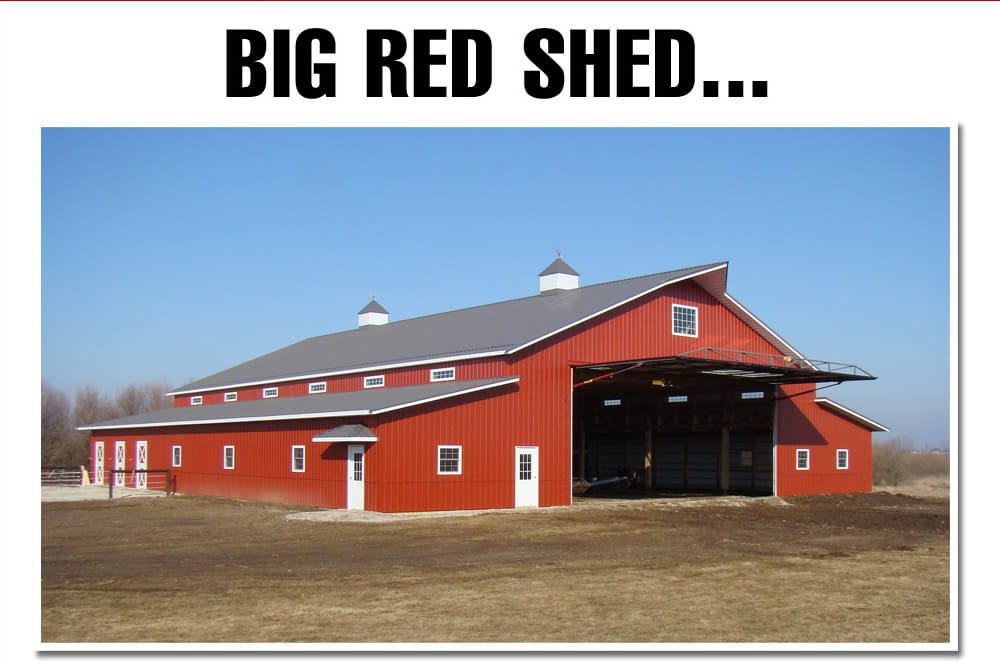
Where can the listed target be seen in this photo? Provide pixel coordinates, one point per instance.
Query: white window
(752, 395)
(229, 457)
(442, 374)
(612, 402)
(685, 320)
(841, 459)
(375, 381)
(230, 396)
(175, 455)
(270, 392)
(298, 458)
(677, 398)
(801, 459)
(196, 401)
(449, 460)
(317, 388)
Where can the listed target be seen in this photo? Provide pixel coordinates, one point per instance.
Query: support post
(647, 461)
(724, 461)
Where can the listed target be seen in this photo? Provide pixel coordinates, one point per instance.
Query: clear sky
(175, 253)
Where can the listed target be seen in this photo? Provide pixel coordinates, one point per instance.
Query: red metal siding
(263, 453)
(464, 370)
(803, 424)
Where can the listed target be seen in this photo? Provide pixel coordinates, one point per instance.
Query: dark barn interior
(700, 423)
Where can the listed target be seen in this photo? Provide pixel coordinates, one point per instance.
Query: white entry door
(355, 477)
(525, 476)
(140, 464)
(99, 462)
(119, 479)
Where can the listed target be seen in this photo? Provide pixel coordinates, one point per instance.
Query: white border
(674, 307)
(449, 446)
(303, 448)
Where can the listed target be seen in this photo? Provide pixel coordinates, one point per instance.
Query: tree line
(62, 444)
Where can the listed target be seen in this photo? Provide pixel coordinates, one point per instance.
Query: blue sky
(175, 253)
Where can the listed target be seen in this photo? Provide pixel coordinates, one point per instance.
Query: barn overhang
(354, 404)
(714, 365)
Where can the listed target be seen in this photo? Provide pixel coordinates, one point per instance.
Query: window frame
(380, 378)
(321, 384)
(229, 457)
(674, 310)
(303, 449)
(798, 459)
(458, 461)
(847, 459)
(197, 400)
(442, 370)
(264, 393)
(175, 456)
(229, 397)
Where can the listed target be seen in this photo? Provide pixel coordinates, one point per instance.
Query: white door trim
(526, 476)
(141, 463)
(356, 477)
(119, 478)
(99, 462)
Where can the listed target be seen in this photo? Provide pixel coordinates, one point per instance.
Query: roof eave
(857, 417)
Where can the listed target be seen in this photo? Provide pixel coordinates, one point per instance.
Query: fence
(63, 476)
(153, 479)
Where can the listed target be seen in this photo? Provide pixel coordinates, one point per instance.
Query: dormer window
(317, 388)
(230, 396)
(374, 381)
(270, 392)
(196, 401)
(442, 374)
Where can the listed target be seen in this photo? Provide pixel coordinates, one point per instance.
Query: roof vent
(558, 276)
(373, 314)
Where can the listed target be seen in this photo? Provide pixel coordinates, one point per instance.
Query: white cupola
(558, 276)
(373, 314)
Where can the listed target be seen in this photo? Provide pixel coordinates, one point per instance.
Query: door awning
(347, 433)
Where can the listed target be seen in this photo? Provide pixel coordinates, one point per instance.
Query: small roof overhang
(730, 365)
(846, 412)
(347, 433)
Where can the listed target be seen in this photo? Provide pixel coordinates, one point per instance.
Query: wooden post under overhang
(724, 461)
(647, 462)
(580, 468)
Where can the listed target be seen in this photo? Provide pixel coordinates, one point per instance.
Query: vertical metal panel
(804, 424)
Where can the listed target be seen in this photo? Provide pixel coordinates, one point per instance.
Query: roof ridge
(396, 323)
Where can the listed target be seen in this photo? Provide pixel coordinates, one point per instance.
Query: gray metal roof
(336, 404)
(373, 307)
(559, 266)
(492, 329)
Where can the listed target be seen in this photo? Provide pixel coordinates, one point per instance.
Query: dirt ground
(853, 568)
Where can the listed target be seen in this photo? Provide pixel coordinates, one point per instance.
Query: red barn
(664, 380)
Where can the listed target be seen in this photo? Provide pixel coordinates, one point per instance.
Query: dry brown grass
(864, 568)
(894, 464)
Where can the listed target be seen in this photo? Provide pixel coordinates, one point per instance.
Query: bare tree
(156, 395)
(132, 399)
(56, 434)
